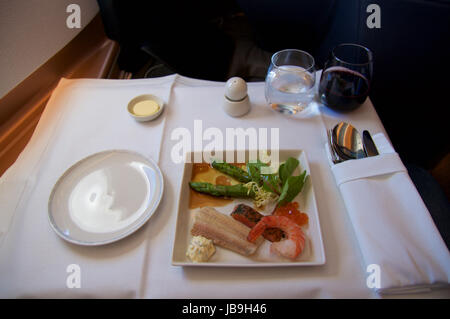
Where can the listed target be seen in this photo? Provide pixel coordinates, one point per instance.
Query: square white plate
(313, 253)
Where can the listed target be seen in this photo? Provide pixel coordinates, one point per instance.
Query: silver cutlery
(369, 145)
(334, 156)
(347, 142)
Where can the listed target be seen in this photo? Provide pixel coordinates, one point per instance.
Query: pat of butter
(146, 107)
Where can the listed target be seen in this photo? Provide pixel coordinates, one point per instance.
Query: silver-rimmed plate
(105, 197)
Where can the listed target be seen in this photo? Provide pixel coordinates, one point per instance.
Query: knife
(369, 145)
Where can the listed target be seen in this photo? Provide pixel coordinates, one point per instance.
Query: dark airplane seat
(181, 34)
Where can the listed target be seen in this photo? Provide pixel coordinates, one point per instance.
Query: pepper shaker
(236, 102)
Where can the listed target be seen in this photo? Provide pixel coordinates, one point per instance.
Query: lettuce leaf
(287, 168)
(291, 188)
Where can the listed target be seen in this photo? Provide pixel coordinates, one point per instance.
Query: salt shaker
(236, 102)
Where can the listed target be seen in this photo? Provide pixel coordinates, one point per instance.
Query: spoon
(337, 152)
(334, 156)
(347, 141)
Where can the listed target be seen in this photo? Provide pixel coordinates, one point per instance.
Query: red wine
(343, 89)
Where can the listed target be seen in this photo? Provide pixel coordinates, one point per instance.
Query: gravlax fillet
(224, 231)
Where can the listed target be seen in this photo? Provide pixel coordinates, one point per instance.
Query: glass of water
(290, 81)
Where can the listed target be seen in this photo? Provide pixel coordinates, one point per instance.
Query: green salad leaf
(271, 183)
(292, 187)
(287, 168)
(254, 170)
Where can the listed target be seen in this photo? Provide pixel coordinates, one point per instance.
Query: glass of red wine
(346, 77)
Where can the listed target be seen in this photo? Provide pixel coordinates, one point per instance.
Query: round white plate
(105, 197)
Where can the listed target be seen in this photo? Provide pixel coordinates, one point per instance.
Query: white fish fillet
(224, 231)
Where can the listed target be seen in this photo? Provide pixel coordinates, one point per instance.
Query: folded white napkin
(401, 247)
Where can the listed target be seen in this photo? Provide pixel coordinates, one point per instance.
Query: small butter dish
(145, 107)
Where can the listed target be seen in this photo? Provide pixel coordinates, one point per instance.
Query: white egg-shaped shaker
(236, 102)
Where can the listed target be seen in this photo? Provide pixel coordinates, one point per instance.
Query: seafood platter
(241, 214)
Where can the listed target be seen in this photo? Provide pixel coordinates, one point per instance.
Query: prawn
(290, 247)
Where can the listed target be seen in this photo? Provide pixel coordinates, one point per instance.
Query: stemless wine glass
(346, 78)
(290, 81)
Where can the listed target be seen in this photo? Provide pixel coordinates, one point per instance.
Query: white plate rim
(322, 257)
(116, 238)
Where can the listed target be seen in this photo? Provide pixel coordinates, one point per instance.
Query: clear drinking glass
(290, 81)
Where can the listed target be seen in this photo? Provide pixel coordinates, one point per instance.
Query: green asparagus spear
(238, 190)
(233, 171)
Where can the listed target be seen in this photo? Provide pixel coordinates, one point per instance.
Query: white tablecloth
(87, 116)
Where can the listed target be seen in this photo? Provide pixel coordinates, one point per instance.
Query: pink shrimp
(290, 247)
